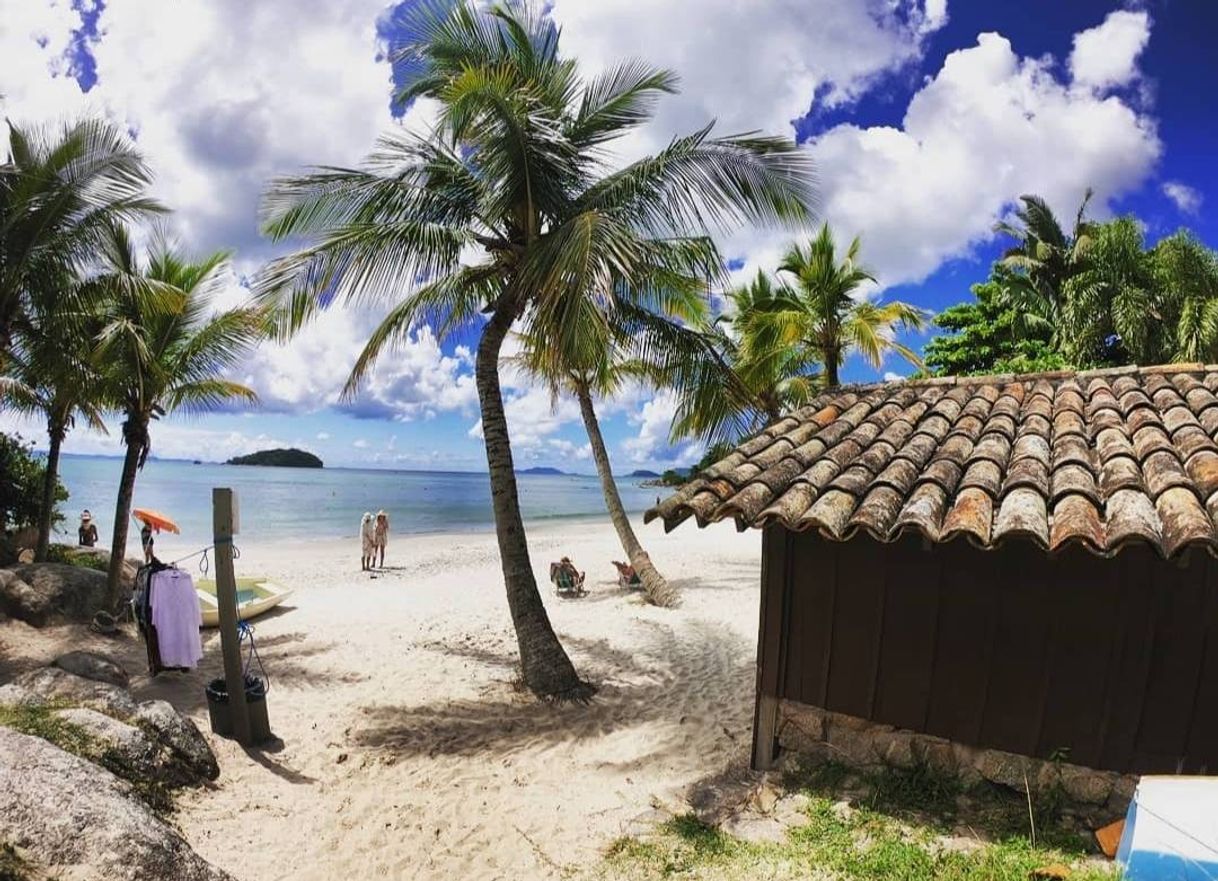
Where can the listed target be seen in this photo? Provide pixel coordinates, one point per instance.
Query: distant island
(671, 477)
(541, 470)
(279, 458)
(643, 472)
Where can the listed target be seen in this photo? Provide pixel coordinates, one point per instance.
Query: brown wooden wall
(1115, 660)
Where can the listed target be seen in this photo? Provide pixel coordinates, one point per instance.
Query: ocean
(299, 504)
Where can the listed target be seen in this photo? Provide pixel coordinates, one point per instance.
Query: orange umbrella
(155, 519)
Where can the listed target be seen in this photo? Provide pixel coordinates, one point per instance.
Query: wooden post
(223, 509)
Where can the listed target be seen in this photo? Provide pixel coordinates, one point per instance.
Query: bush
(22, 473)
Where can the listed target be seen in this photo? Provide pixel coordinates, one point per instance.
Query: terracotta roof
(1102, 458)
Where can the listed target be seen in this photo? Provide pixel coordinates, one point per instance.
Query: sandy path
(406, 752)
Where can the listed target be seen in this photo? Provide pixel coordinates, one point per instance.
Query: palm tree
(60, 192)
(820, 314)
(739, 386)
(1186, 275)
(51, 374)
(165, 350)
(1043, 259)
(515, 173)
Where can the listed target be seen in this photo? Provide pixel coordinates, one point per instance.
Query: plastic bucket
(219, 711)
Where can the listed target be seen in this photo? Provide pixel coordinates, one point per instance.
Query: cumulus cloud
(986, 128)
(1187, 199)
(651, 443)
(1106, 55)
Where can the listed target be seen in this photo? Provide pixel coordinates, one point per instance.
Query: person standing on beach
(367, 539)
(88, 530)
(146, 541)
(381, 535)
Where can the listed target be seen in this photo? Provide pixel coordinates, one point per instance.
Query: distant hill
(540, 470)
(280, 458)
(642, 472)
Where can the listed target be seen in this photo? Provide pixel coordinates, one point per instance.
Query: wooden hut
(1018, 563)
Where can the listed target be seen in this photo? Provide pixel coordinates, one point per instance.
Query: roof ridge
(1004, 378)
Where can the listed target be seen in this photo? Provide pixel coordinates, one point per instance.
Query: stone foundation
(1098, 796)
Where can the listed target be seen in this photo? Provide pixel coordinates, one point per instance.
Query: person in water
(381, 535)
(367, 540)
(87, 533)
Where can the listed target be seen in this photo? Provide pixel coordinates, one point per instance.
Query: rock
(92, 665)
(39, 593)
(182, 737)
(645, 823)
(133, 748)
(937, 754)
(1005, 769)
(764, 798)
(791, 810)
(49, 684)
(755, 829)
(81, 821)
(895, 749)
(1086, 785)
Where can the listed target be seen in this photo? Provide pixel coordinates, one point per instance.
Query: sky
(925, 120)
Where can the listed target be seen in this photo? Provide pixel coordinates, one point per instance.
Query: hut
(1021, 564)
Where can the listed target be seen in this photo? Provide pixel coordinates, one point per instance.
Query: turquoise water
(303, 503)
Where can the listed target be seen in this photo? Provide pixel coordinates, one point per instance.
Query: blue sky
(925, 118)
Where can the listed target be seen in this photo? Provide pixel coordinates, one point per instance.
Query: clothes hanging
(177, 618)
(141, 604)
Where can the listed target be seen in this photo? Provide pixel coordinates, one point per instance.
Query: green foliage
(982, 338)
(22, 474)
(75, 557)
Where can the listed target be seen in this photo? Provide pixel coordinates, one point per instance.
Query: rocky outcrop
(41, 593)
(77, 819)
(182, 755)
(95, 666)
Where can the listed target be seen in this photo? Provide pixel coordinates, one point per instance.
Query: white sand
(406, 752)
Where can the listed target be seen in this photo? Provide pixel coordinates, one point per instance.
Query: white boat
(254, 596)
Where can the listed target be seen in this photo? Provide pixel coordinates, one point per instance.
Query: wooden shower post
(225, 524)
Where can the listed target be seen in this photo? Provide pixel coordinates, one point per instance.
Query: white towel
(177, 618)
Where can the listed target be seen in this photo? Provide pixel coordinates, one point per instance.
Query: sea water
(300, 504)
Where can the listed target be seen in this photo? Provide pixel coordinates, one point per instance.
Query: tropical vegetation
(22, 478)
(508, 211)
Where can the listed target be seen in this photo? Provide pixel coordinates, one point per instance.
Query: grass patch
(85, 560)
(41, 721)
(904, 825)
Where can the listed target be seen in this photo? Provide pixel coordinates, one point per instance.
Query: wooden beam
(765, 733)
(223, 526)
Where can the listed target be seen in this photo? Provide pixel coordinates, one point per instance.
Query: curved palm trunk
(657, 590)
(545, 667)
(122, 513)
(831, 358)
(55, 434)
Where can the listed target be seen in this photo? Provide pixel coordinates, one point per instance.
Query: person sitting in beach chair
(626, 576)
(567, 580)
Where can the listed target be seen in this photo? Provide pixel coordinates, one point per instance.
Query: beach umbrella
(155, 519)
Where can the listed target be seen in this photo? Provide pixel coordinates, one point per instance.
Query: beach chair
(567, 582)
(627, 578)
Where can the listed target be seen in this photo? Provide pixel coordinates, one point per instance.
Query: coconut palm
(165, 349)
(745, 385)
(52, 374)
(508, 207)
(60, 192)
(821, 314)
(1043, 258)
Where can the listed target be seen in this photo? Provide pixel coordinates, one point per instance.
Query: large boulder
(130, 748)
(80, 821)
(39, 593)
(190, 755)
(95, 666)
(53, 685)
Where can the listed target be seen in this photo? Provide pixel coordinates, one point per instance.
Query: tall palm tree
(165, 350)
(60, 192)
(52, 374)
(1043, 258)
(514, 179)
(1186, 275)
(744, 385)
(821, 314)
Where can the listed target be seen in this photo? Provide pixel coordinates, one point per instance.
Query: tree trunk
(55, 433)
(831, 357)
(655, 587)
(122, 514)
(544, 665)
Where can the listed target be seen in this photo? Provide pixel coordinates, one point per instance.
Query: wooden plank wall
(1110, 663)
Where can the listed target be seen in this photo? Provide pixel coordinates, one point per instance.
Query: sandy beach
(406, 751)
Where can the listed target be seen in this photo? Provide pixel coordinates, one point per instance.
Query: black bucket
(220, 713)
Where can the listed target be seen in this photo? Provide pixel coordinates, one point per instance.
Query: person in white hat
(367, 540)
(88, 530)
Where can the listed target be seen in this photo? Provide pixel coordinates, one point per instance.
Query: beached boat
(254, 596)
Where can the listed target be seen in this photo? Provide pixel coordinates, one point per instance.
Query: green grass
(41, 721)
(897, 831)
(71, 556)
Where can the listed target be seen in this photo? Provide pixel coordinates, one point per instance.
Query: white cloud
(651, 443)
(986, 128)
(890, 376)
(1187, 199)
(568, 450)
(360, 444)
(323, 435)
(1106, 56)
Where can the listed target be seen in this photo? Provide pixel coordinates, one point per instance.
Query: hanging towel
(177, 618)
